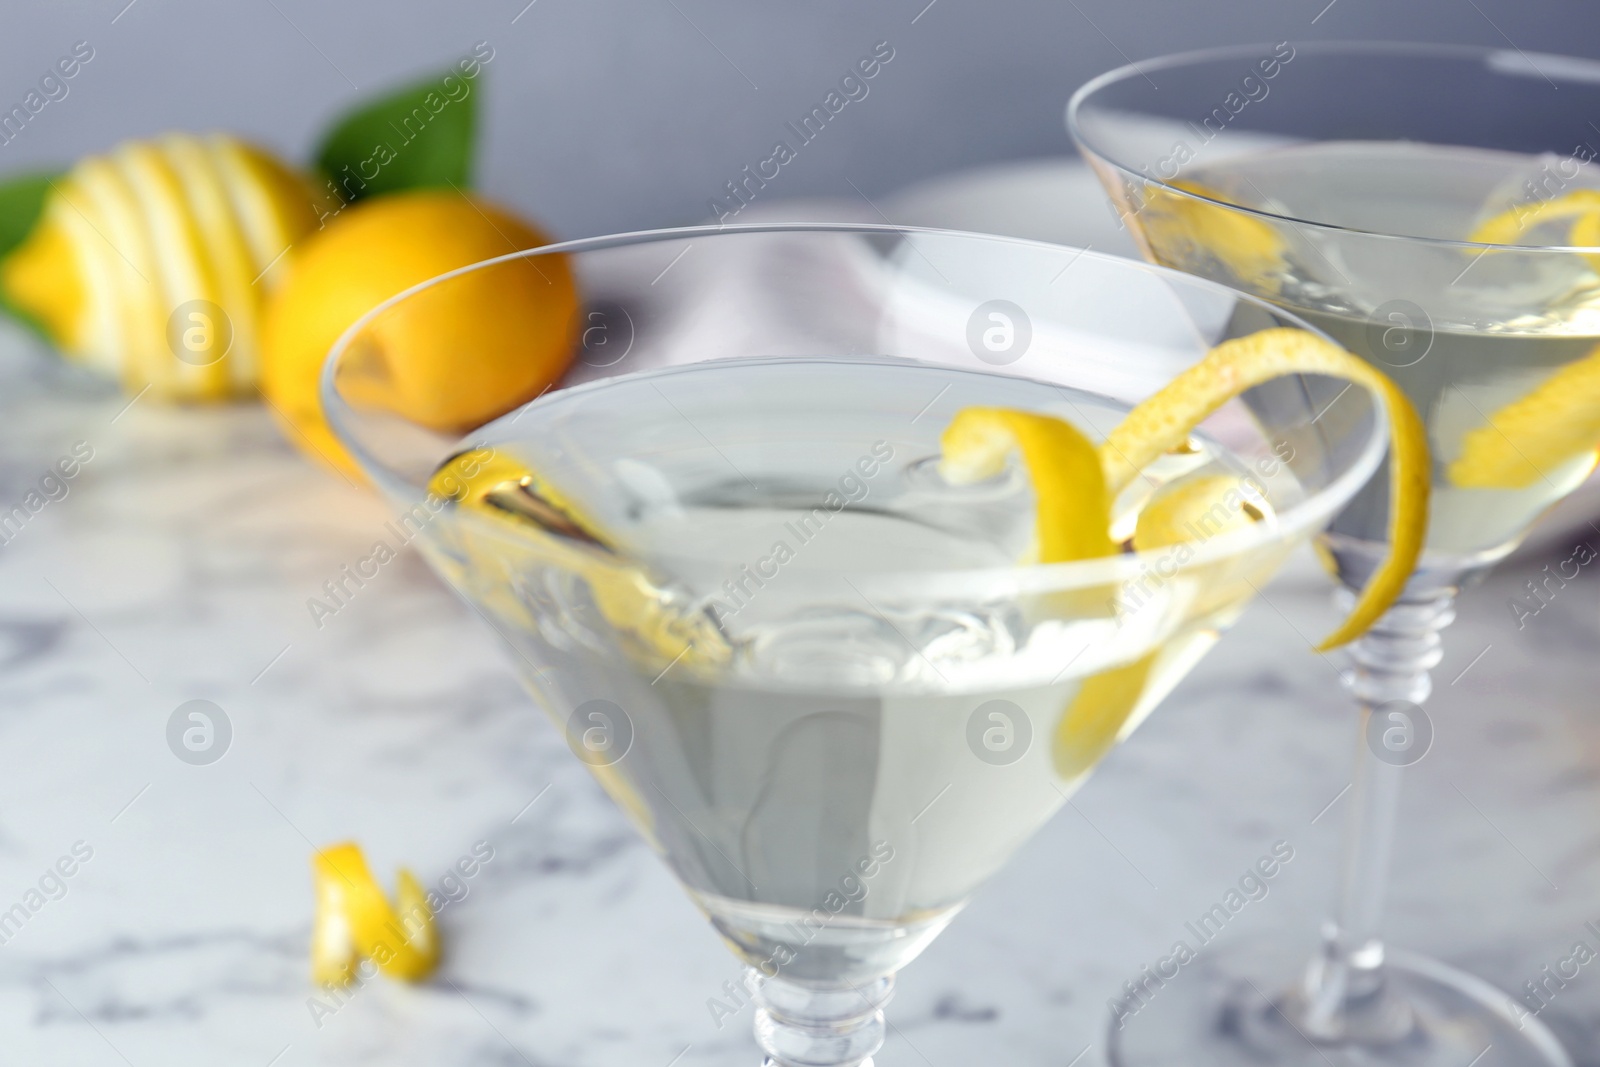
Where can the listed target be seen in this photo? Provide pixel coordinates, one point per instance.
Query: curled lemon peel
(1249, 247)
(1074, 497)
(1164, 421)
(1559, 419)
(1208, 506)
(1520, 442)
(1072, 506)
(1188, 510)
(1583, 205)
(488, 483)
(492, 484)
(1193, 508)
(1095, 718)
(354, 921)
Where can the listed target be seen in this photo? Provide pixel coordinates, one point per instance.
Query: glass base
(802, 1024)
(1233, 1011)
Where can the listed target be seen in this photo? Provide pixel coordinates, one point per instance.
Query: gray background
(606, 115)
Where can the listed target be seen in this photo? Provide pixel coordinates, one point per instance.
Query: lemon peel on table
(354, 920)
(1556, 421)
(152, 262)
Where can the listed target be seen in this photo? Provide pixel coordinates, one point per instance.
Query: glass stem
(1344, 997)
(805, 1025)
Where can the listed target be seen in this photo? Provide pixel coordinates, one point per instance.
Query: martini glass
(1342, 181)
(811, 672)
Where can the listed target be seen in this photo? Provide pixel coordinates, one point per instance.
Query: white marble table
(178, 566)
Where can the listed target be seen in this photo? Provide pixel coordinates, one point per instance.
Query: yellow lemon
(153, 262)
(450, 358)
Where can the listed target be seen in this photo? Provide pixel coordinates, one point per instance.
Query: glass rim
(1509, 57)
(1030, 577)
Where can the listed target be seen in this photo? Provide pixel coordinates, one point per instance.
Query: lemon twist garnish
(1560, 419)
(1075, 483)
(1072, 506)
(1188, 510)
(354, 920)
(1249, 247)
(1194, 507)
(1165, 420)
(487, 483)
(1094, 720)
(1551, 424)
(1506, 227)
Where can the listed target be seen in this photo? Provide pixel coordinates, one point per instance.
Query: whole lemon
(449, 358)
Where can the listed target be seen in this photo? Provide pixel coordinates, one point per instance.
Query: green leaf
(21, 202)
(417, 138)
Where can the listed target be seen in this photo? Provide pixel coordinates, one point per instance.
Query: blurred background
(625, 114)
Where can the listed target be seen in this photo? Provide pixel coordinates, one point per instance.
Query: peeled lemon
(153, 262)
(450, 358)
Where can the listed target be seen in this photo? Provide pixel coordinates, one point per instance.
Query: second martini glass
(1417, 203)
(818, 676)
